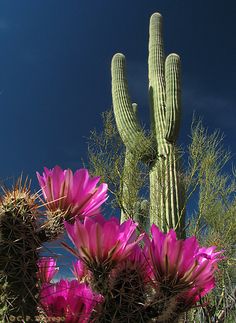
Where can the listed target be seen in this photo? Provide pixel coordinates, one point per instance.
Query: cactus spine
(19, 251)
(166, 195)
(20, 240)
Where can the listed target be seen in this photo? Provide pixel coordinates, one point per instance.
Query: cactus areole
(166, 193)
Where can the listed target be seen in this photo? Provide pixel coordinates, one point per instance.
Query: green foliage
(212, 187)
(106, 158)
(213, 221)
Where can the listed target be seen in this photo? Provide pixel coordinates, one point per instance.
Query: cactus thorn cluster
(21, 238)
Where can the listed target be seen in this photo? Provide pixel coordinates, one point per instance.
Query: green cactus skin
(166, 194)
(20, 242)
(130, 206)
(129, 164)
(19, 252)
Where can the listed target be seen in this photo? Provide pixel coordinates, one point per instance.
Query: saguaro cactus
(166, 195)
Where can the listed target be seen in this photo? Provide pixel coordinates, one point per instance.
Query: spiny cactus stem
(126, 119)
(156, 80)
(173, 104)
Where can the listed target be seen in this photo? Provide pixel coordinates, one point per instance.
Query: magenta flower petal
(90, 206)
(102, 243)
(73, 195)
(47, 269)
(69, 299)
(81, 272)
(181, 265)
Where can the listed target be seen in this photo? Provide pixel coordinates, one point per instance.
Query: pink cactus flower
(81, 272)
(129, 284)
(139, 262)
(47, 269)
(102, 243)
(69, 300)
(182, 266)
(74, 194)
(135, 266)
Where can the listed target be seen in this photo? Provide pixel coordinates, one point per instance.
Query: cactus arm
(126, 119)
(173, 104)
(135, 108)
(157, 81)
(173, 114)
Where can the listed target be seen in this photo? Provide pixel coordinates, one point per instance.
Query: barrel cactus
(158, 150)
(21, 238)
(22, 234)
(19, 245)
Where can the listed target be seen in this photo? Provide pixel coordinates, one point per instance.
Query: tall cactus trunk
(166, 193)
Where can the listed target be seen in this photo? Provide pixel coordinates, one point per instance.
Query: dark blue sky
(55, 71)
